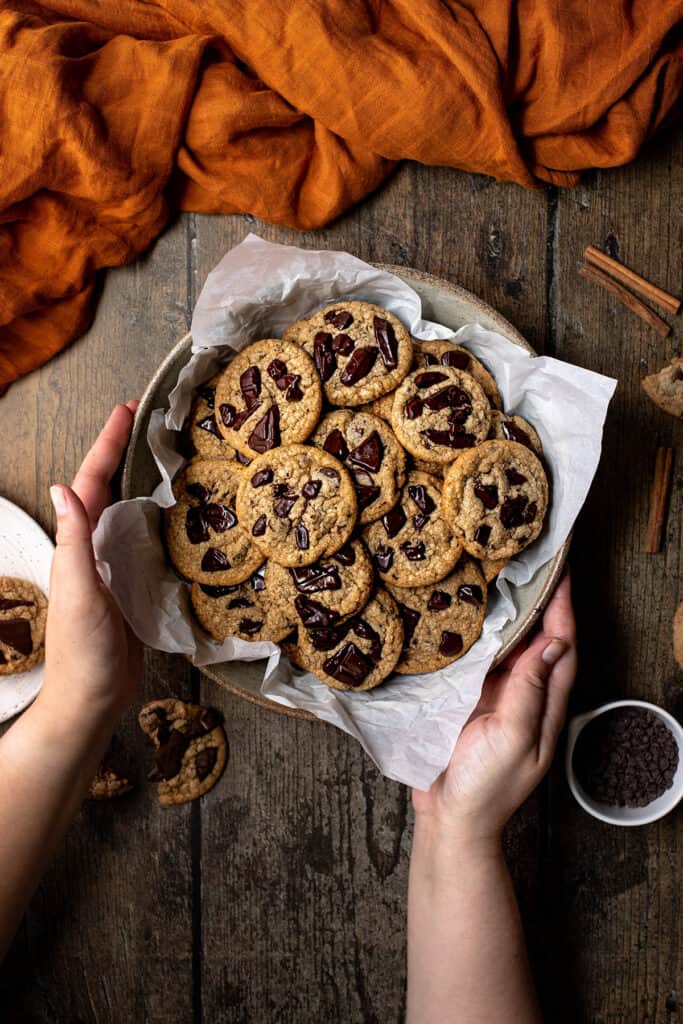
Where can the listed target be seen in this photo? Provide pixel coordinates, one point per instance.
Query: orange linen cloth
(112, 112)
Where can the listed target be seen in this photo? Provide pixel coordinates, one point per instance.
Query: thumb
(524, 698)
(73, 565)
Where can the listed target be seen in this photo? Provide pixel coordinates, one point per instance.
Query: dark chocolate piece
(384, 558)
(276, 369)
(413, 408)
(259, 527)
(250, 385)
(228, 413)
(199, 491)
(410, 620)
(285, 505)
(512, 511)
(210, 426)
(301, 537)
(340, 319)
(336, 445)
(196, 526)
(266, 433)
(358, 366)
(214, 561)
(419, 494)
(364, 630)
(429, 378)
(439, 601)
(369, 453)
(394, 520)
(205, 762)
(458, 360)
(16, 633)
(349, 665)
(345, 555)
(343, 344)
(208, 393)
(240, 602)
(220, 518)
(8, 603)
(487, 494)
(414, 552)
(451, 644)
(385, 337)
(311, 579)
(250, 626)
(514, 477)
(482, 534)
(311, 489)
(313, 614)
(323, 355)
(512, 432)
(470, 593)
(262, 477)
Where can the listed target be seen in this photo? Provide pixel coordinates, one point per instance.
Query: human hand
(92, 659)
(508, 743)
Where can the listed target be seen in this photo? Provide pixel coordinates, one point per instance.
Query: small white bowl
(625, 815)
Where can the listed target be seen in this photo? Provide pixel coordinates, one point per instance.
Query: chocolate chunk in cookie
(447, 353)
(298, 504)
(268, 395)
(505, 427)
(191, 748)
(495, 498)
(253, 610)
(23, 614)
(361, 351)
(205, 436)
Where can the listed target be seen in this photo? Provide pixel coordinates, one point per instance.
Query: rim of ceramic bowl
(409, 274)
(602, 811)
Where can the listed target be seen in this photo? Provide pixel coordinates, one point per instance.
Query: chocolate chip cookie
(204, 539)
(207, 440)
(298, 504)
(368, 448)
(23, 613)
(495, 498)
(380, 406)
(326, 592)
(252, 610)
(441, 621)
(439, 412)
(447, 353)
(505, 427)
(361, 351)
(191, 748)
(268, 395)
(411, 545)
(108, 784)
(357, 654)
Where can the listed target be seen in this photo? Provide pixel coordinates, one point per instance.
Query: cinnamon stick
(627, 299)
(659, 500)
(624, 275)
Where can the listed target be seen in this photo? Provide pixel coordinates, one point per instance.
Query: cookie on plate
(204, 539)
(368, 448)
(357, 654)
(23, 614)
(268, 395)
(206, 438)
(441, 621)
(361, 351)
(666, 388)
(298, 504)
(326, 592)
(439, 412)
(191, 748)
(411, 545)
(505, 427)
(495, 498)
(252, 610)
(447, 353)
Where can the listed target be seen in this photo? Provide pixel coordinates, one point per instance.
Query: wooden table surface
(281, 897)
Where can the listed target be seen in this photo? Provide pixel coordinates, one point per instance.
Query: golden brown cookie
(448, 353)
(666, 388)
(107, 785)
(191, 748)
(253, 610)
(23, 614)
(207, 440)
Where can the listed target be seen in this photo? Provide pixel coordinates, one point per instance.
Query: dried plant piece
(666, 388)
(659, 500)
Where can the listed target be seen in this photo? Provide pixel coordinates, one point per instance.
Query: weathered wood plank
(108, 937)
(612, 897)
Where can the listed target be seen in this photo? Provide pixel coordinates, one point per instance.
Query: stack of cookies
(352, 493)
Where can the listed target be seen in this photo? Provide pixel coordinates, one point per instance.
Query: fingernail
(58, 499)
(554, 651)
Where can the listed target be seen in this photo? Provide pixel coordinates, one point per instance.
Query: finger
(133, 405)
(558, 619)
(559, 688)
(73, 571)
(91, 483)
(523, 697)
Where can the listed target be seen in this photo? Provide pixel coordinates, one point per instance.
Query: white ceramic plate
(25, 551)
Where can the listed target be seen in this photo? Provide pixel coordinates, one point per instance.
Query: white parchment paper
(408, 726)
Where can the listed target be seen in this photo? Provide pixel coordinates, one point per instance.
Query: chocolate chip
(451, 397)
(240, 602)
(429, 378)
(261, 477)
(512, 511)
(366, 490)
(369, 453)
(198, 491)
(257, 581)
(327, 639)
(8, 603)
(208, 393)
(323, 355)
(311, 488)
(196, 526)
(205, 722)
(451, 438)
(413, 408)
(242, 459)
(420, 521)
(428, 359)
(343, 344)
(279, 490)
(394, 520)
(336, 445)
(294, 392)
(451, 644)
(205, 762)
(512, 432)
(418, 492)
(364, 630)
(414, 552)
(285, 505)
(217, 591)
(249, 626)
(228, 413)
(482, 535)
(250, 385)
(311, 579)
(439, 601)
(331, 474)
(487, 494)
(276, 369)
(530, 513)
(210, 426)
(242, 417)
(3, 659)
(169, 756)
(16, 633)
(386, 342)
(345, 555)
(340, 319)
(470, 593)
(220, 518)
(456, 359)
(313, 614)
(301, 537)
(358, 366)
(349, 665)
(266, 433)
(384, 558)
(410, 620)
(514, 478)
(214, 561)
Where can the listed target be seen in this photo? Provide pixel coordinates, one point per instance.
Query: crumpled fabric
(113, 114)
